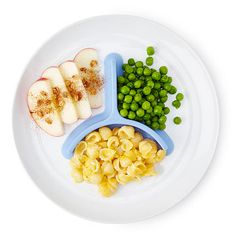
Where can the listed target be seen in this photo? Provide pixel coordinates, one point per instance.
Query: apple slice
(87, 58)
(63, 99)
(42, 108)
(87, 63)
(75, 86)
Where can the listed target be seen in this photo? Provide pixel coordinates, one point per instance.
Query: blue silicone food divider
(111, 117)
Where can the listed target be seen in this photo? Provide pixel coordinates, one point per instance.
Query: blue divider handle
(112, 68)
(168, 141)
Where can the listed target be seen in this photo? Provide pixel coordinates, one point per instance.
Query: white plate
(195, 140)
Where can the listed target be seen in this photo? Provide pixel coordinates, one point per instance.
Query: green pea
(134, 106)
(162, 126)
(123, 112)
(132, 92)
(166, 110)
(121, 80)
(162, 120)
(142, 77)
(150, 97)
(177, 120)
(152, 114)
(155, 125)
(139, 64)
(146, 105)
(131, 62)
(130, 85)
(148, 78)
(147, 71)
(147, 90)
(125, 74)
(176, 104)
(140, 91)
(139, 118)
(125, 90)
(131, 115)
(157, 110)
(120, 96)
(142, 101)
(140, 112)
(153, 70)
(126, 81)
(161, 104)
(129, 69)
(155, 93)
(120, 107)
(164, 99)
(150, 84)
(147, 116)
(173, 90)
(179, 96)
(131, 77)
(155, 118)
(154, 103)
(149, 61)
(148, 122)
(150, 50)
(156, 75)
(125, 106)
(164, 79)
(137, 97)
(138, 83)
(167, 87)
(128, 98)
(150, 110)
(157, 85)
(163, 93)
(163, 70)
(169, 80)
(124, 65)
(139, 71)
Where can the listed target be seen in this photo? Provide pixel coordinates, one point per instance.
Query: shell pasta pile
(108, 158)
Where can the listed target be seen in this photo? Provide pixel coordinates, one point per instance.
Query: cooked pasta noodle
(107, 154)
(113, 142)
(105, 133)
(92, 151)
(126, 132)
(126, 145)
(81, 148)
(93, 137)
(108, 157)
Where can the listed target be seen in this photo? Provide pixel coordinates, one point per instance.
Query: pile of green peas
(143, 92)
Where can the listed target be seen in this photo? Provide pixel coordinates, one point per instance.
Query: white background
(209, 27)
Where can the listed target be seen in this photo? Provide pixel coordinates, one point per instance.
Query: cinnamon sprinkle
(93, 63)
(48, 120)
(59, 100)
(43, 106)
(72, 88)
(91, 79)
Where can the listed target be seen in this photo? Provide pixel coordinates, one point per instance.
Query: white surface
(209, 27)
(195, 140)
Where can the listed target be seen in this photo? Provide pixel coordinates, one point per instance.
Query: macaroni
(108, 158)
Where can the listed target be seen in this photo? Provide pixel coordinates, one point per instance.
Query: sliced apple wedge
(76, 88)
(63, 99)
(42, 108)
(87, 63)
(87, 57)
